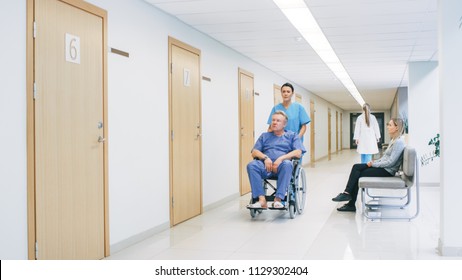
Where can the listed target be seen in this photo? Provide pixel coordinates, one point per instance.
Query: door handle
(101, 139)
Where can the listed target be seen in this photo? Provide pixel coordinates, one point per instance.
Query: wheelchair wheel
(253, 213)
(292, 210)
(300, 192)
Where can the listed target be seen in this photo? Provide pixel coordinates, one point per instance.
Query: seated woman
(386, 166)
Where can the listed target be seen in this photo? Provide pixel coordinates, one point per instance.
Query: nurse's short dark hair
(288, 85)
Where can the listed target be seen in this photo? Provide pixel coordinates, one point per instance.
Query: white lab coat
(367, 136)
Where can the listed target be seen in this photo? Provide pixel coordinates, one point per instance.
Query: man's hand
(268, 164)
(276, 164)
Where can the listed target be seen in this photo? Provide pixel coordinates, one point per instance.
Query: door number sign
(186, 77)
(72, 48)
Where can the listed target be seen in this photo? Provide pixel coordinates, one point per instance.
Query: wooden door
(185, 136)
(312, 132)
(70, 130)
(336, 131)
(246, 126)
(341, 131)
(298, 99)
(277, 94)
(329, 135)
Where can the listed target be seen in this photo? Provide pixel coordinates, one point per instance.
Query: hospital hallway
(320, 233)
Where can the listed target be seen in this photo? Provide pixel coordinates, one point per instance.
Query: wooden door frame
(30, 70)
(172, 41)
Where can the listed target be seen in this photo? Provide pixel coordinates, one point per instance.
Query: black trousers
(362, 170)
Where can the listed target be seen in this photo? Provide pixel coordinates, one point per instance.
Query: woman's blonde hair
(367, 114)
(400, 124)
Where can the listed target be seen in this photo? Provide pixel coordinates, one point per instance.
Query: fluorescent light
(300, 16)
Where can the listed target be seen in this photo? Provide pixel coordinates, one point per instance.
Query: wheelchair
(295, 199)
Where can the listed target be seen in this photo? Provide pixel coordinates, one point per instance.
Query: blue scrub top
(275, 146)
(296, 114)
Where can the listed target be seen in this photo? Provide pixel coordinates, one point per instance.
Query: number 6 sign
(72, 48)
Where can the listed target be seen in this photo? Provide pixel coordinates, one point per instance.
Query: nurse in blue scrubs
(298, 118)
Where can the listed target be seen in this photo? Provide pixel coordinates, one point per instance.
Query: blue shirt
(296, 114)
(275, 146)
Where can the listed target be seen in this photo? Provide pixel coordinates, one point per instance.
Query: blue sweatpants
(257, 172)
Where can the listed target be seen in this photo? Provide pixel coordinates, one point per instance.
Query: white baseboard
(142, 236)
(138, 238)
(447, 251)
(221, 202)
(429, 184)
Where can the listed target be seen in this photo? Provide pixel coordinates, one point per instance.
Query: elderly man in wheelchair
(273, 153)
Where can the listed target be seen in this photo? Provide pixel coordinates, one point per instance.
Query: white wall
(13, 210)
(138, 120)
(321, 107)
(450, 98)
(423, 105)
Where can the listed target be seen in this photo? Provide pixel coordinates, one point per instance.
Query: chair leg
(366, 207)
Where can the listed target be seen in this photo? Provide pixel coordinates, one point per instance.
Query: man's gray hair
(279, 112)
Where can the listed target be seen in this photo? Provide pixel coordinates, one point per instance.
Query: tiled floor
(321, 233)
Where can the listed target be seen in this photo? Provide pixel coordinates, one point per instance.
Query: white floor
(321, 233)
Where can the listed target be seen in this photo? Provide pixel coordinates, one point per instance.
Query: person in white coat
(367, 134)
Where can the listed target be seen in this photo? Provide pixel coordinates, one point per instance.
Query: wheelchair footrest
(270, 206)
(255, 208)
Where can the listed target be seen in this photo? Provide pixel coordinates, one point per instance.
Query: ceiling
(374, 39)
